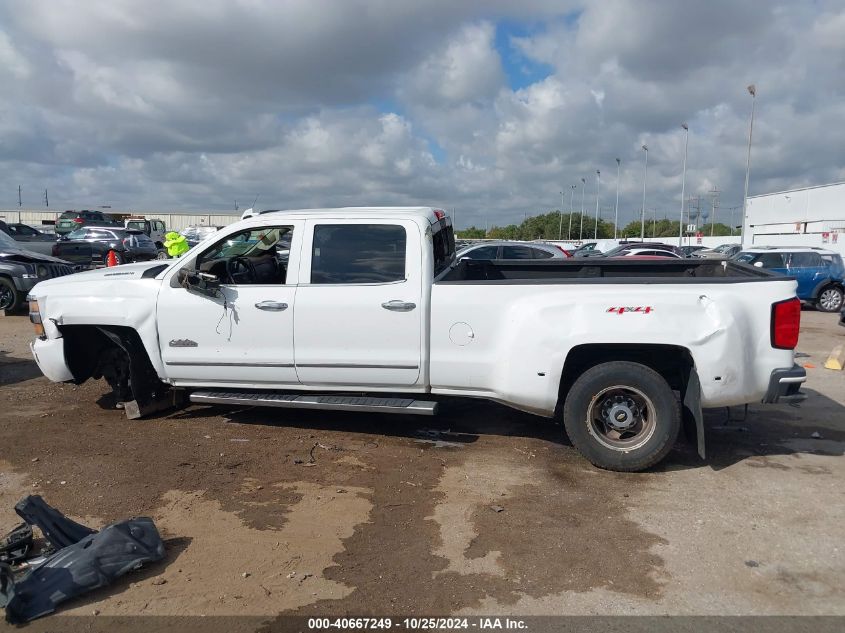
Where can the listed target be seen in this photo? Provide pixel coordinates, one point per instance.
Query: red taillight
(439, 214)
(786, 322)
(78, 220)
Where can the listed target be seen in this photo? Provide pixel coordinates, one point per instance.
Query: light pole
(642, 213)
(616, 214)
(560, 213)
(752, 90)
(572, 189)
(683, 187)
(598, 184)
(583, 188)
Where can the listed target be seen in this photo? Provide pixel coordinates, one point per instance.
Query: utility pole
(583, 188)
(714, 202)
(683, 184)
(572, 189)
(645, 178)
(19, 196)
(560, 224)
(598, 185)
(616, 214)
(46, 199)
(752, 90)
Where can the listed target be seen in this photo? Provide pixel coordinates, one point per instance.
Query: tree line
(575, 226)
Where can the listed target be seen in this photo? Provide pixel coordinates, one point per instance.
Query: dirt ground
(480, 510)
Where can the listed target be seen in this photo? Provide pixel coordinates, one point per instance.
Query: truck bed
(589, 270)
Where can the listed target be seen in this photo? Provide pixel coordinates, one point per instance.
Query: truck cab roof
(381, 213)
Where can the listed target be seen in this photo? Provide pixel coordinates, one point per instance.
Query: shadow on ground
(732, 435)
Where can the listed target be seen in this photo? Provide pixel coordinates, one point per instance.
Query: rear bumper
(785, 385)
(49, 353)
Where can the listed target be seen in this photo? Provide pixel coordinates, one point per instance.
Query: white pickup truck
(368, 309)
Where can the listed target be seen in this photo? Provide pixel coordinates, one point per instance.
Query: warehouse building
(809, 216)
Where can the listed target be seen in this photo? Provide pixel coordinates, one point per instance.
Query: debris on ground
(434, 437)
(77, 560)
(497, 508)
(752, 563)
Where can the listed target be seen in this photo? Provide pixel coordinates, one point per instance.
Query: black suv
(90, 246)
(72, 220)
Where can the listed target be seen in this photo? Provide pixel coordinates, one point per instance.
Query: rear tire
(622, 416)
(830, 299)
(10, 299)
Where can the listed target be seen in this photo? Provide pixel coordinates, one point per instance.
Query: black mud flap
(692, 408)
(56, 527)
(141, 391)
(95, 561)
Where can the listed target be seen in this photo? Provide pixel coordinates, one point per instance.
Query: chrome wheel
(830, 300)
(621, 418)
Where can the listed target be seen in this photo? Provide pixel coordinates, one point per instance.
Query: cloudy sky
(489, 108)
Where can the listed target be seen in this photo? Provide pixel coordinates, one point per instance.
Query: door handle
(272, 306)
(397, 305)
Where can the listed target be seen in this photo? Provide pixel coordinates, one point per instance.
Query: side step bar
(332, 403)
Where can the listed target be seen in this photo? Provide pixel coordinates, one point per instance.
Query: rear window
(68, 215)
(516, 252)
(358, 253)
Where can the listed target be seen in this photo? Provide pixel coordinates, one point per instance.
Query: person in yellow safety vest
(176, 244)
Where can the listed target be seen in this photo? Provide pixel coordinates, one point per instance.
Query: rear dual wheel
(622, 416)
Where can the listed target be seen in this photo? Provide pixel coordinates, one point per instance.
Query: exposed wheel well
(673, 362)
(86, 347)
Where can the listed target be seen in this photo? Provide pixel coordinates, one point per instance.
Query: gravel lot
(479, 510)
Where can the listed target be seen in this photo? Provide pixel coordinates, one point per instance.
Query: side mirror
(758, 264)
(200, 282)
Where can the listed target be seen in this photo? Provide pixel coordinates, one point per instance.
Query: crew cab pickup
(368, 309)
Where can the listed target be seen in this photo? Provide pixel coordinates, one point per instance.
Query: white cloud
(189, 104)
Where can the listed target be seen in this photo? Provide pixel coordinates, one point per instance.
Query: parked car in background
(723, 251)
(196, 234)
(512, 250)
(820, 273)
(72, 220)
(690, 249)
(655, 249)
(21, 269)
(646, 252)
(28, 237)
(154, 229)
(90, 246)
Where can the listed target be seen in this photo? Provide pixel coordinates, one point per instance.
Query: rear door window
(516, 252)
(539, 253)
(483, 252)
(358, 253)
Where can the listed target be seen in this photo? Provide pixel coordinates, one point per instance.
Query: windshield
(7, 242)
(724, 248)
(248, 243)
